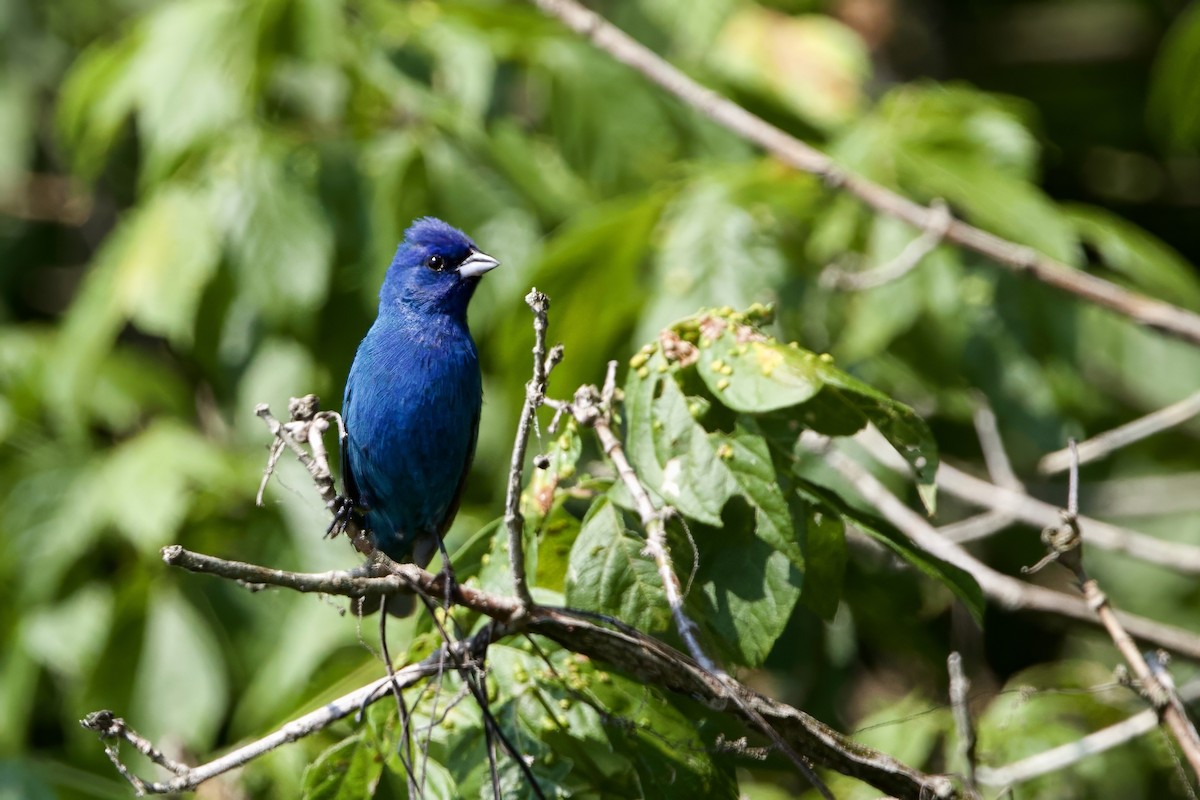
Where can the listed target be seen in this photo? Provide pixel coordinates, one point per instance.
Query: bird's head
(436, 268)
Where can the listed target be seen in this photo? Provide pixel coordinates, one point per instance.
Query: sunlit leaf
(180, 660)
(609, 573)
(1138, 255)
(349, 770)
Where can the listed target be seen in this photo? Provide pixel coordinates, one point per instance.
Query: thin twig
(1064, 543)
(641, 657)
(1105, 444)
(306, 725)
(535, 395)
(1007, 592)
(905, 262)
(992, 444)
(406, 579)
(404, 746)
(1177, 556)
(979, 526)
(1017, 258)
(594, 409)
(1059, 758)
(960, 690)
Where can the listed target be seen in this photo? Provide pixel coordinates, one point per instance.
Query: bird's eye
(436, 263)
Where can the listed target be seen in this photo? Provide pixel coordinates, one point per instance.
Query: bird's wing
(452, 509)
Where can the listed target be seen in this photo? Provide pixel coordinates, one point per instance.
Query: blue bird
(413, 396)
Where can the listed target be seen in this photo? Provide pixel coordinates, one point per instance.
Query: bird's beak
(476, 264)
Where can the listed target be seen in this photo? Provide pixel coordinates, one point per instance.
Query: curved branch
(626, 649)
(1144, 310)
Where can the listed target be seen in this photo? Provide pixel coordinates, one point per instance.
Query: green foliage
(197, 203)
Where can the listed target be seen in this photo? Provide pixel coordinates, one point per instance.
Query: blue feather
(414, 393)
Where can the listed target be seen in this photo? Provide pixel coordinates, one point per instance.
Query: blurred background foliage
(198, 199)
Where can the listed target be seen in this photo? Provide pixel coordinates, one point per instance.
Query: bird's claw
(344, 509)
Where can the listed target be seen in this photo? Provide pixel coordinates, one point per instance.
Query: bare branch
(535, 396)
(1107, 443)
(979, 526)
(1176, 556)
(308, 724)
(402, 579)
(1065, 545)
(960, 690)
(992, 445)
(633, 653)
(905, 262)
(1063, 756)
(1007, 592)
(595, 410)
(1144, 310)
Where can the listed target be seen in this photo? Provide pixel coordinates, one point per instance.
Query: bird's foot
(449, 580)
(344, 509)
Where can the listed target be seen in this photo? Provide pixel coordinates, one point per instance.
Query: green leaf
(279, 238)
(1174, 103)
(151, 272)
(68, 637)
(752, 373)
(744, 589)
(1127, 249)
(145, 486)
(708, 236)
(608, 573)
(180, 660)
(349, 770)
(673, 455)
(825, 88)
(955, 579)
(823, 536)
(1009, 206)
(662, 738)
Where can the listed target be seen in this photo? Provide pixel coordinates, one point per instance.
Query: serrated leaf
(608, 573)
(349, 770)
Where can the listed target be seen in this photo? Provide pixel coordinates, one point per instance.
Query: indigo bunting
(414, 393)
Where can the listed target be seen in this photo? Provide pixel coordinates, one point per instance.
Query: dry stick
(999, 468)
(655, 663)
(960, 690)
(310, 723)
(636, 654)
(1104, 444)
(641, 657)
(1064, 544)
(979, 526)
(909, 258)
(595, 410)
(1173, 555)
(1059, 758)
(1147, 311)
(535, 395)
(1007, 592)
(992, 445)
